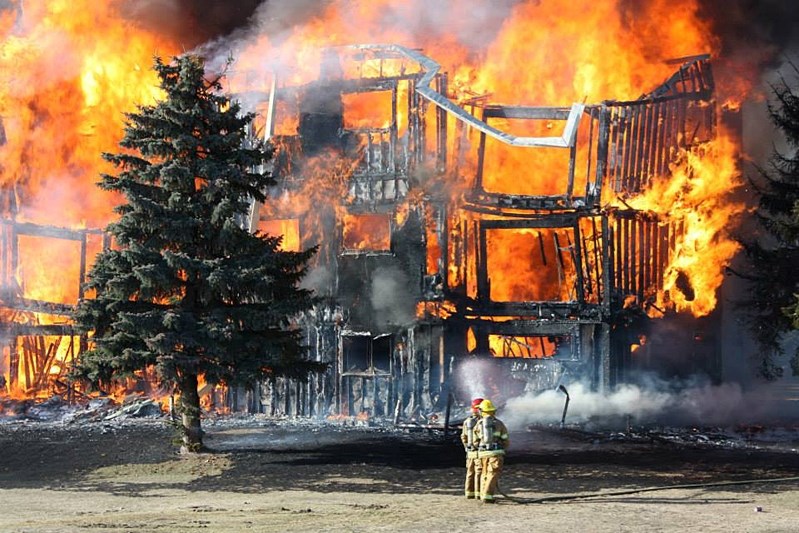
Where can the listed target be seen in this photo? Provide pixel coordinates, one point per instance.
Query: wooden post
(13, 363)
(643, 251)
(441, 125)
(82, 273)
(397, 410)
(446, 415)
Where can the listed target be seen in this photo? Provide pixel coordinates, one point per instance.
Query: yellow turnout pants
(492, 468)
(473, 473)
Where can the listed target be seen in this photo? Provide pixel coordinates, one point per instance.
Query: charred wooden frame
(617, 255)
(32, 345)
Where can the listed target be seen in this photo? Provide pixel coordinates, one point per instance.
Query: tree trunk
(190, 413)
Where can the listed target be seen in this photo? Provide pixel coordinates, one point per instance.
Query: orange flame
(522, 347)
(367, 232)
(698, 193)
(288, 228)
(66, 89)
(583, 51)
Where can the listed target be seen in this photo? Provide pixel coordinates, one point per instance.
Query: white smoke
(473, 378)
(532, 396)
(412, 22)
(482, 377)
(319, 280)
(391, 300)
(658, 403)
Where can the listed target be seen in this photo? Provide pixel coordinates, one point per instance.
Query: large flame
(70, 69)
(699, 194)
(583, 50)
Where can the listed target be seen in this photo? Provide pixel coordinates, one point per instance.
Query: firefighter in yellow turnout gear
(492, 438)
(473, 470)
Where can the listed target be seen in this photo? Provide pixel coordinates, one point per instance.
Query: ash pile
(57, 410)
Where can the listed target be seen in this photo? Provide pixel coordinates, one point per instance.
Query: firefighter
(473, 470)
(492, 437)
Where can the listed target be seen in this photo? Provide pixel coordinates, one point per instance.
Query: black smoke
(191, 22)
(743, 25)
(756, 36)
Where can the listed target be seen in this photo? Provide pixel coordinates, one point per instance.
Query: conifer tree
(773, 253)
(186, 288)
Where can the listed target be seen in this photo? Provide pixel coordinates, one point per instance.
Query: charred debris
(428, 264)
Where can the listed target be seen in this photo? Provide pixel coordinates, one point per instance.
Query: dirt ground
(267, 475)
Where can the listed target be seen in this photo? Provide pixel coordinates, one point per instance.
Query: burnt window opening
(530, 172)
(321, 117)
(368, 110)
(287, 228)
(43, 270)
(356, 357)
(43, 264)
(286, 121)
(531, 264)
(366, 232)
(531, 347)
(506, 169)
(370, 130)
(381, 353)
(367, 354)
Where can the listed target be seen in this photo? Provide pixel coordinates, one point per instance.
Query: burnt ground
(267, 475)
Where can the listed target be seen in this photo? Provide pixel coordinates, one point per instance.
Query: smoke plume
(658, 403)
(191, 22)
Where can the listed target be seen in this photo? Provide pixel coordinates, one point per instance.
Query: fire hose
(565, 497)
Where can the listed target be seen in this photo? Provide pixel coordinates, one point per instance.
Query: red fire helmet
(476, 403)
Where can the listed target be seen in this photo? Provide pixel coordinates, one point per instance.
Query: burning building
(475, 231)
(540, 244)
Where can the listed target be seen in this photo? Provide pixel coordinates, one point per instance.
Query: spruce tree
(792, 310)
(773, 253)
(186, 288)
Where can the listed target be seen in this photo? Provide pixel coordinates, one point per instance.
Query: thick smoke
(753, 36)
(756, 39)
(759, 40)
(754, 31)
(191, 22)
(318, 279)
(421, 20)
